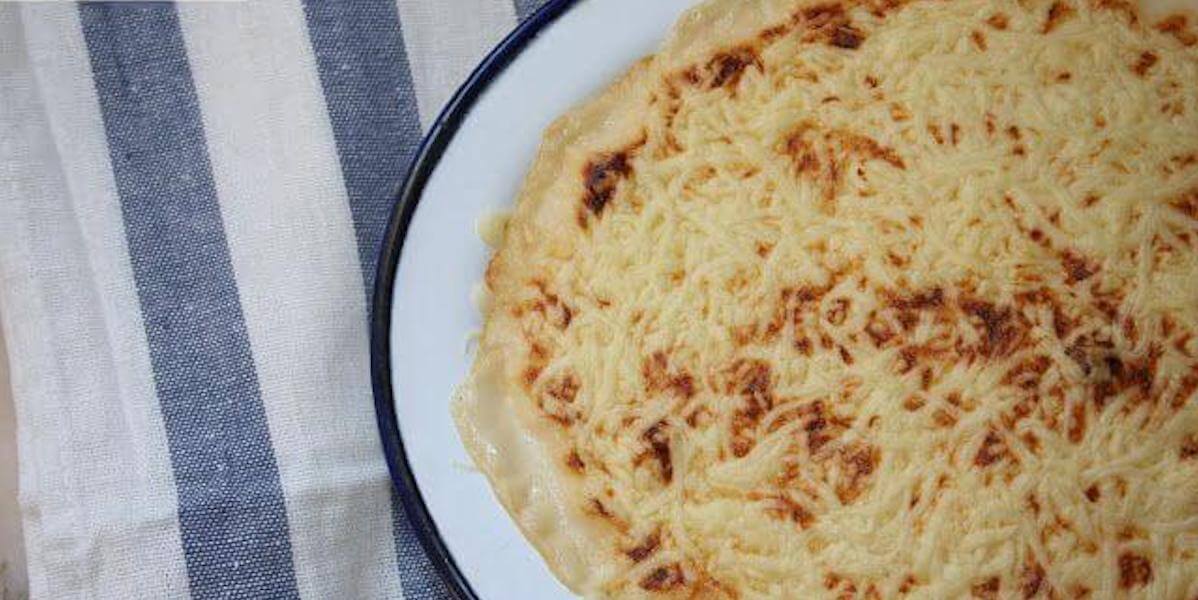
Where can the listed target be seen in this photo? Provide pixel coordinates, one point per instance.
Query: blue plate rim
(405, 202)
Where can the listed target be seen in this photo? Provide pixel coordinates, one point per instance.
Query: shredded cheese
(890, 302)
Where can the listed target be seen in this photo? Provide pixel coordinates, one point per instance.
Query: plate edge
(404, 203)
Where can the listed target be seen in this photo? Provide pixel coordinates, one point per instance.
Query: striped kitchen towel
(192, 197)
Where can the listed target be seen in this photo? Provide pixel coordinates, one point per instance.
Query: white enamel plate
(472, 164)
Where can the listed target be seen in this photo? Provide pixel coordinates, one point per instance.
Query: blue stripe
(525, 8)
(231, 513)
(368, 89)
(417, 574)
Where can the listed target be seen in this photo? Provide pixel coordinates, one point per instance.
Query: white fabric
(97, 486)
(293, 248)
(447, 44)
(95, 481)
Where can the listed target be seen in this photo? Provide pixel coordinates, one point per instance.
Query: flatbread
(860, 299)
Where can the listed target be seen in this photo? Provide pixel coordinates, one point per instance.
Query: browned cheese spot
(802, 151)
(1004, 330)
(832, 580)
(1178, 27)
(597, 508)
(727, 68)
(987, 589)
(979, 40)
(943, 418)
(751, 380)
(825, 156)
(1093, 493)
(699, 416)
(882, 8)
(772, 34)
(954, 398)
(1130, 330)
(858, 463)
(1187, 204)
(538, 357)
(1146, 61)
(879, 332)
(690, 76)
(1183, 161)
(645, 549)
(1077, 425)
(531, 374)
(658, 439)
(565, 389)
(818, 428)
(575, 463)
(1028, 372)
(551, 307)
(785, 509)
(936, 135)
(1033, 579)
(847, 37)
(1119, 376)
(838, 312)
(1189, 447)
(743, 335)
(1134, 570)
(913, 403)
(998, 21)
(601, 177)
(820, 15)
(663, 579)
(659, 377)
(1130, 532)
(828, 23)
(1032, 442)
(1062, 324)
(1189, 385)
(558, 398)
(1080, 354)
(1057, 14)
(992, 450)
(925, 300)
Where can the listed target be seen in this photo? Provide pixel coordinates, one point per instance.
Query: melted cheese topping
(888, 300)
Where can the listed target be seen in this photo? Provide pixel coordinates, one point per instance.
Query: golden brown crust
(517, 411)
